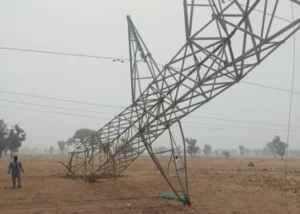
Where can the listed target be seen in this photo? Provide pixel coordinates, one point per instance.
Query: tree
(3, 136)
(82, 136)
(61, 146)
(242, 150)
(226, 154)
(15, 138)
(272, 148)
(192, 149)
(281, 149)
(51, 149)
(71, 141)
(216, 152)
(207, 149)
(278, 147)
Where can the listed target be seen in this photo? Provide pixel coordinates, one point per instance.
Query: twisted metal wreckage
(217, 54)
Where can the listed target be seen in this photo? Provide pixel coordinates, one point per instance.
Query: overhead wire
(270, 87)
(60, 99)
(268, 14)
(89, 111)
(95, 117)
(119, 59)
(197, 123)
(241, 121)
(57, 107)
(224, 129)
(61, 53)
(126, 59)
(122, 107)
(247, 127)
(189, 116)
(51, 112)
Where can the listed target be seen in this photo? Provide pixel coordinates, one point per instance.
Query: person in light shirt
(15, 167)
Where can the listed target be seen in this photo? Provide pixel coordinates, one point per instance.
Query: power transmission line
(81, 102)
(246, 127)
(61, 53)
(57, 107)
(97, 117)
(52, 112)
(59, 99)
(242, 121)
(83, 110)
(270, 87)
(119, 59)
(269, 14)
(222, 129)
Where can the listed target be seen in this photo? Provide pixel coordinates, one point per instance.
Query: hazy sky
(98, 27)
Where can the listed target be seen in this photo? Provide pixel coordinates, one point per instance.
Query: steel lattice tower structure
(219, 51)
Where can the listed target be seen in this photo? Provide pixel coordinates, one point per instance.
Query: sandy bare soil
(217, 185)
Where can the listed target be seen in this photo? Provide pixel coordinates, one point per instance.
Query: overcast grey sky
(98, 27)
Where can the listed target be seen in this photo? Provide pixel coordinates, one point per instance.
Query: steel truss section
(138, 52)
(225, 41)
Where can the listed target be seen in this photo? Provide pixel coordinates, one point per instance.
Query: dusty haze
(100, 28)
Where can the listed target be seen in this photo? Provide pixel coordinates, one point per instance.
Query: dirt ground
(216, 185)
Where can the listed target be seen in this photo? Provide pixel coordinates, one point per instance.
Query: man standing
(15, 166)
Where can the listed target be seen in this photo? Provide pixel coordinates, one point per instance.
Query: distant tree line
(11, 140)
(276, 148)
(193, 149)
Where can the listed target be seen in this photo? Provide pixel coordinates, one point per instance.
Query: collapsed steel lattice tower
(225, 40)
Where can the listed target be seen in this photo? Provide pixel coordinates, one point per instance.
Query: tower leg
(175, 173)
